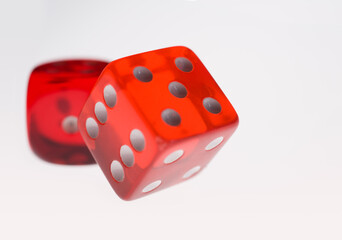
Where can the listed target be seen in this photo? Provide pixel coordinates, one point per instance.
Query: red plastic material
(141, 104)
(56, 91)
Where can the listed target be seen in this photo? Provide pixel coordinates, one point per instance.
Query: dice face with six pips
(56, 94)
(155, 119)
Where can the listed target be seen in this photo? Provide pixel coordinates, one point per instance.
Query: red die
(155, 119)
(56, 94)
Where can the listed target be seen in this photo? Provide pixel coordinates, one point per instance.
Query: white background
(279, 177)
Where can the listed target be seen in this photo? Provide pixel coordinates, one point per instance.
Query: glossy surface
(56, 93)
(170, 133)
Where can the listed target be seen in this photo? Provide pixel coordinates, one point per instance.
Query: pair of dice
(149, 120)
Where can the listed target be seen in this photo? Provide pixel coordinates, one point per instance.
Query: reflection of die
(56, 93)
(155, 119)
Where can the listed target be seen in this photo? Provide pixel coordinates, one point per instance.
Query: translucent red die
(56, 94)
(155, 119)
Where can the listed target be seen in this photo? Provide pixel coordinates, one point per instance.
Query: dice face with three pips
(155, 119)
(56, 94)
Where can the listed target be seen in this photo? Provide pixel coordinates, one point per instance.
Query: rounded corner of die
(236, 119)
(184, 49)
(124, 196)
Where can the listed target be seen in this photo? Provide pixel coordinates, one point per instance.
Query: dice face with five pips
(155, 119)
